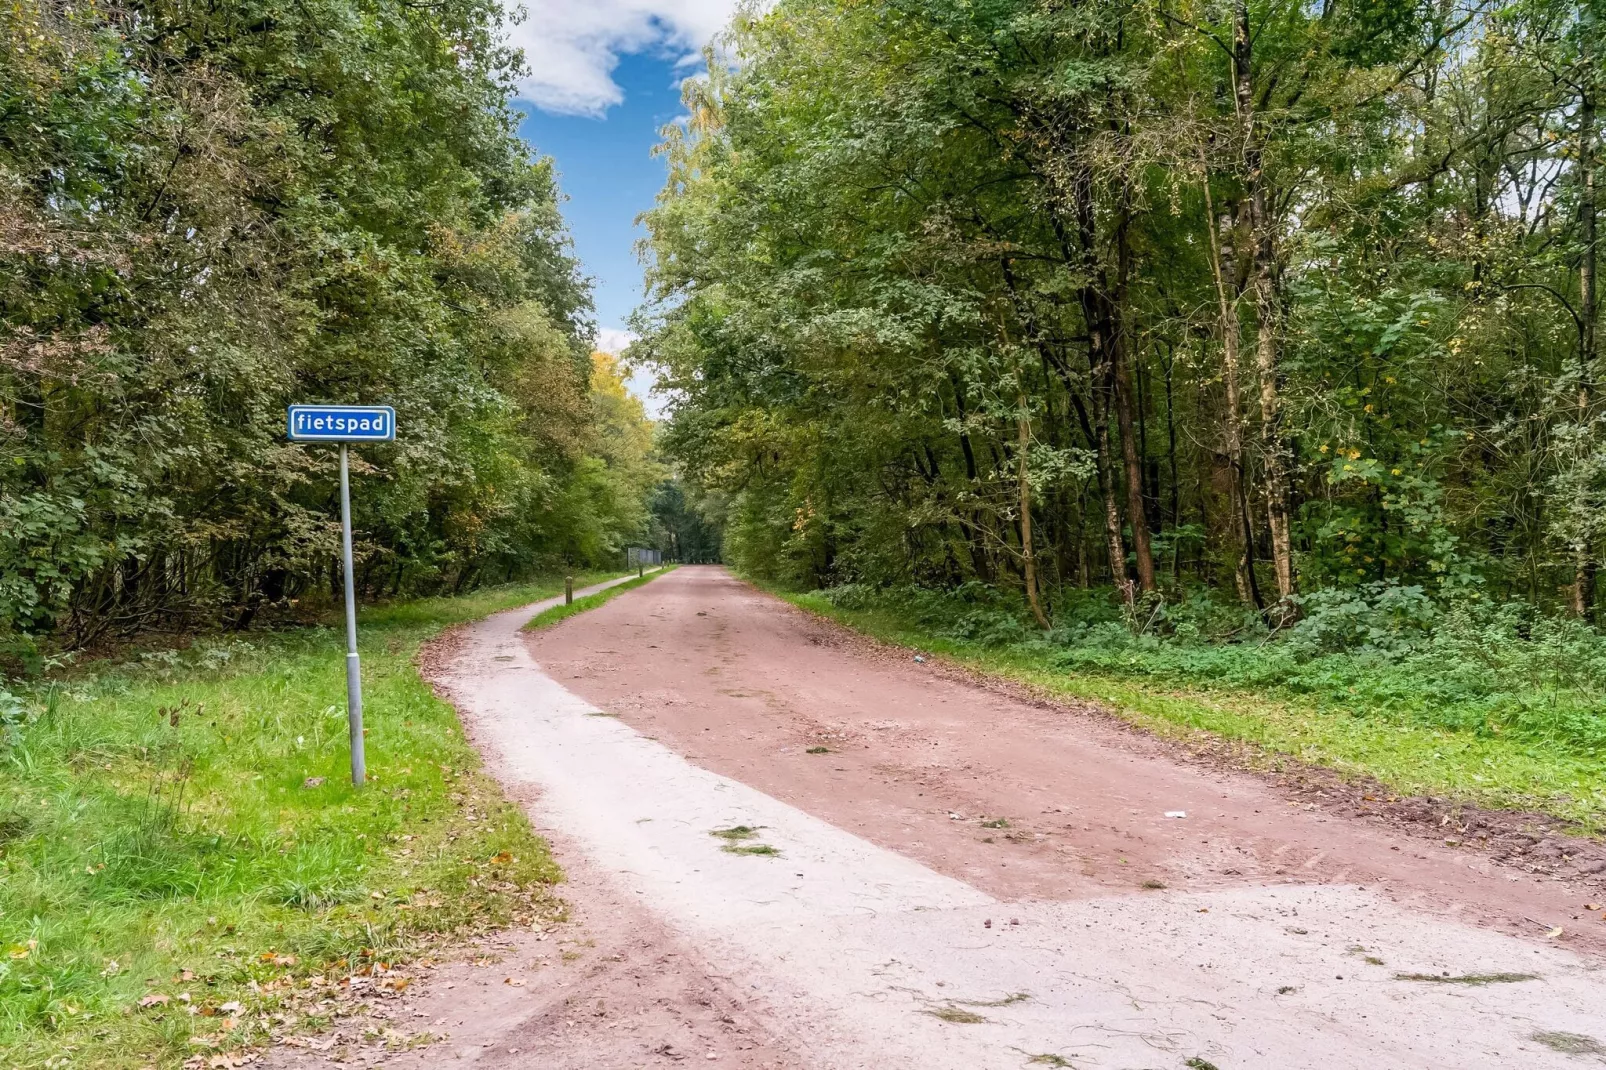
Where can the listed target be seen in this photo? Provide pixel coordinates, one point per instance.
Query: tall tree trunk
(1136, 514)
(1171, 463)
(1113, 540)
(1232, 419)
(1583, 561)
(1268, 308)
(1096, 311)
(1028, 558)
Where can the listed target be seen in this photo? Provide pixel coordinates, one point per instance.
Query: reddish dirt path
(611, 989)
(920, 762)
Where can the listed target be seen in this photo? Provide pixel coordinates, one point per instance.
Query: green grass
(736, 833)
(1411, 751)
(1472, 979)
(956, 1015)
(1571, 1043)
(547, 618)
(734, 841)
(156, 836)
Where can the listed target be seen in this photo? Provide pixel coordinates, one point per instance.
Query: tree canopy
(1270, 297)
(210, 211)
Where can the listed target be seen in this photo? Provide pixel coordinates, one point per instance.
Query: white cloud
(572, 46)
(613, 340)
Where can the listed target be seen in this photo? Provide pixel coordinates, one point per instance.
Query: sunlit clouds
(572, 48)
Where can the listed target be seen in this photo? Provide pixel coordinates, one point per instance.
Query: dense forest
(1278, 300)
(209, 211)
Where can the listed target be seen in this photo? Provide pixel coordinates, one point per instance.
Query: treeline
(209, 211)
(1261, 295)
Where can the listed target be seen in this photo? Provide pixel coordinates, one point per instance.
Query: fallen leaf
(516, 982)
(501, 858)
(227, 1062)
(1554, 933)
(231, 1007)
(155, 999)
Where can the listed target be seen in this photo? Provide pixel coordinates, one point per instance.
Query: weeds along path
(892, 868)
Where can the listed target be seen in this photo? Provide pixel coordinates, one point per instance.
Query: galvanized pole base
(359, 761)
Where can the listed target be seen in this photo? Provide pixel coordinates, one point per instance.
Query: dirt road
(938, 875)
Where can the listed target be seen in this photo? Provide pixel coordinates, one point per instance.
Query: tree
(1343, 255)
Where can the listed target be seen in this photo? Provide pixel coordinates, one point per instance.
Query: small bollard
(568, 590)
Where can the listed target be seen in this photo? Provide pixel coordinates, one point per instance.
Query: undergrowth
(182, 824)
(1496, 703)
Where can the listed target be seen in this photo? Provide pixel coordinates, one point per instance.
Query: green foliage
(1317, 315)
(192, 810)
(1386, 653)
(210, 212)
(681, 529)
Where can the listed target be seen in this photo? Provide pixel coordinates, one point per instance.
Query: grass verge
(548, 617)
(1409, 757)
(179, 830)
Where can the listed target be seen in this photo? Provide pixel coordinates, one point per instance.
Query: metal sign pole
(353, 671)
(343, 424)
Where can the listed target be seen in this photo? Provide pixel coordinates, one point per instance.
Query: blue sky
(609, 175)
(602, 78)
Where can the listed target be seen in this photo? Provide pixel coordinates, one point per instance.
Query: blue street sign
(342, 423)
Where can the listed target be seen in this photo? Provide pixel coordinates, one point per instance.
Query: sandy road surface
(902, 925)
(743, 684)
